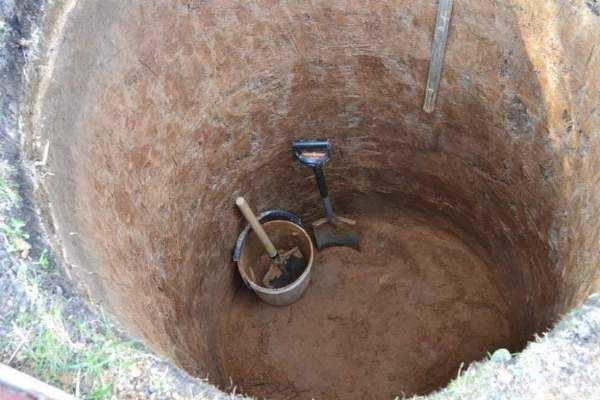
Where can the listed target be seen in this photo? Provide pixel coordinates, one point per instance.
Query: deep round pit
(480, 220)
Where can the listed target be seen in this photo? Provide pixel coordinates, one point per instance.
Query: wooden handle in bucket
(256, 226)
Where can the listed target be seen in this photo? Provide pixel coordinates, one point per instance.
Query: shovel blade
(342, 234)
(286, 270)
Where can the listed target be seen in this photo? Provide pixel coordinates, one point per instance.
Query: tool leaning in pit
(285, 267)
(332, 230)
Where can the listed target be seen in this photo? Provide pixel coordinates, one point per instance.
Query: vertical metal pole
(440, 37)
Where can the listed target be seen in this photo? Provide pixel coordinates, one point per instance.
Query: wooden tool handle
(256, 226)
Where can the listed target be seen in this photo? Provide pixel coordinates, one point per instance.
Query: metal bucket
(285, 230)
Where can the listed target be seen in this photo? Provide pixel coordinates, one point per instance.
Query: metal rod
(438, 49)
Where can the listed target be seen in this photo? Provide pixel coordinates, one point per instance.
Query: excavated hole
(479, 221)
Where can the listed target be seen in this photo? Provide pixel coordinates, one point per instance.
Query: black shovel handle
(314, 154)
(321, 181)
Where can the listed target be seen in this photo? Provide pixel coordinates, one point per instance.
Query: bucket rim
(292, 286)
(266, 216)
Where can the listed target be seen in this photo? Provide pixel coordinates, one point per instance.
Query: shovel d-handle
(312, 153)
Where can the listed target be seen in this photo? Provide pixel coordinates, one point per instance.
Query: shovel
(286, 267)
(332, 230)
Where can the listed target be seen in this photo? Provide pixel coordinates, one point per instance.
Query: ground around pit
(51, 332)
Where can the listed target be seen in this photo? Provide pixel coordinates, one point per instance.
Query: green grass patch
(44, 334)
(4, 31)
(71, 356)
(44, 262)
(60, 344)
(9, 193)
(16, 236)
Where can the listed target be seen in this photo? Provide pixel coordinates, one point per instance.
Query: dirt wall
(158, 114)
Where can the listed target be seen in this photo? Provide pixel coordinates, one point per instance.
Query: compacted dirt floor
(397, 318)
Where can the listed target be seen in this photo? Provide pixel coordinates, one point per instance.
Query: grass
(9, 196)
(12, 228)
(80, 357)
(44, 262)
(16, 237)
(52, 337)
(4, 31)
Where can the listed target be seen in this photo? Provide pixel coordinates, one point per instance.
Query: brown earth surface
(397, 318)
